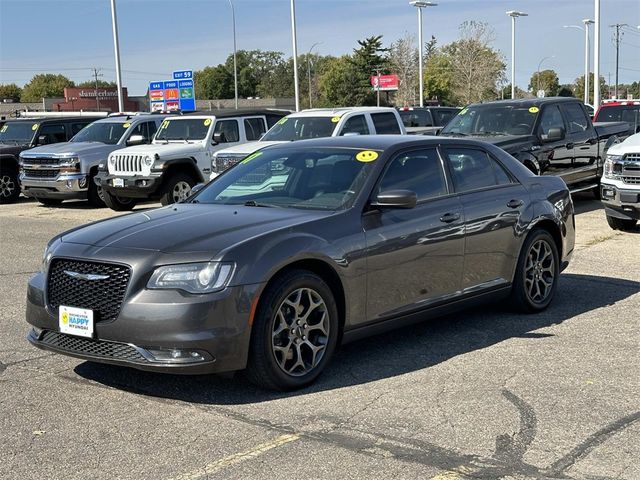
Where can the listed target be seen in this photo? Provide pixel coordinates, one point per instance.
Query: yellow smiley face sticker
(207, 122)
(65, 318)
(34, 126)
(534, 109)
(126, 125)
(335, 119)
(366, 156)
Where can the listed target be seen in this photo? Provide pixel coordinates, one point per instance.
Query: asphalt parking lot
(480, 394)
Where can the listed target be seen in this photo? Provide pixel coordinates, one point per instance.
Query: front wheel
(621, 223)
(294, 334)
(537, 273)
(119, 204)
(95, 194)
(177, 189)
(9, 187)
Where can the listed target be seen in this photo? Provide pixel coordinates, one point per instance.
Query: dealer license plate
(75, 321)
(118, 182)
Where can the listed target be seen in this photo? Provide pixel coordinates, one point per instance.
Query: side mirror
(218, 138)
(136, 140)
(43, 140)
(396, 199)
(555, 134)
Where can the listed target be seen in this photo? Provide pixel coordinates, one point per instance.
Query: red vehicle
(620, 111)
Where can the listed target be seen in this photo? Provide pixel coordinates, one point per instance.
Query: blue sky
(159, 36)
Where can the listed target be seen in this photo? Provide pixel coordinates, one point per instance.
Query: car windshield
(317, 179)
(184, 129)
(18, 132)
(493, 120)
(103, 132)
(289, 129)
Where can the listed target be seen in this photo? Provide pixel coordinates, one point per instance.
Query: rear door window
(576, 118)
(419, 171)
(356, 124)
(385, 123)
(254, 128)
(473, 169)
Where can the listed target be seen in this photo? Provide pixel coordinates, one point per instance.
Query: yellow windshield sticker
(34, 126)
(251, 157)
(463, 111)
(4, 128)
(207, 122)
(165, 124)
(335, 119)
(126, 125)
(534, 109)
(366, 156)
(282, 121)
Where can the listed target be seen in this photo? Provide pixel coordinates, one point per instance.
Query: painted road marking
(237, 458)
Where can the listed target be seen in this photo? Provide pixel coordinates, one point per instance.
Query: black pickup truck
(23, 133)
(551, 136)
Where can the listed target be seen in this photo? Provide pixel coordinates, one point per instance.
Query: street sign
(173, 95)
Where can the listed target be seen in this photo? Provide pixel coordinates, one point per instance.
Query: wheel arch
(10, 162)
(184, 165)
(553, 229)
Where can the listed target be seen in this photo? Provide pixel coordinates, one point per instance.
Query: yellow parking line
(237, 458)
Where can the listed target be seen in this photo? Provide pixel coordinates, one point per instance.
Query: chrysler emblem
(86, 276)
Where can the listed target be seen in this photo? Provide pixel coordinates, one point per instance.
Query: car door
(492, 202)
(414, 256)
(553, 156)
(581, 141)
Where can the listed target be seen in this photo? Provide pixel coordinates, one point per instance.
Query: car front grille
(631, 180)
(103, 296)
(40, 173)
(126, 164)
(92, 347)
(41, 161)
(632, 157)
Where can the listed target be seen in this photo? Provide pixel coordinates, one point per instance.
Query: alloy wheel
(539, 271)
(181, 191)
(7, 186)
(300, 332)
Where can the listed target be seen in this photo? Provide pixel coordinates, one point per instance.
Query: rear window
(385, 123)
(619, 113)
(416, 118)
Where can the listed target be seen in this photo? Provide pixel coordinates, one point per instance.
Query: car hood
(247, 148)
(630, 145)
(189, 228)
(164, 150)
(69, 148)
(10, 148)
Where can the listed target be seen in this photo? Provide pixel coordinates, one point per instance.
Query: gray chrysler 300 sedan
(301, 247)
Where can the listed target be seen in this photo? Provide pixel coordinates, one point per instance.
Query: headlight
(196, 278)
(69, 165)
(46, 258)
(613, 166)
(148, 161)
(112, 161)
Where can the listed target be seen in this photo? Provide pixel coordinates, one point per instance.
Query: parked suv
(21, 134)
(179, 156)
(65, 171)
(315, 123)
(621, 184)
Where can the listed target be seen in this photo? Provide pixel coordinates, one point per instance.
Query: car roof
(377, 142)
(232, 112)
(527, 102)
(53, 119)
(332, 112)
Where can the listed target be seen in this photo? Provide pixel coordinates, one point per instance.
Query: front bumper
(136, 186)
(216, 326)
(63, 187)
(620, 200)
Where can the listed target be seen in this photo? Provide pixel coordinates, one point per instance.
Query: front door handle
(515, 203)
(450, 217)
(569, 145)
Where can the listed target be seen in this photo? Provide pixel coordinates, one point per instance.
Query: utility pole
(96, 74)
(617, 26)
(294, 41)
(116, 48)
(596, 55)
(378, 86)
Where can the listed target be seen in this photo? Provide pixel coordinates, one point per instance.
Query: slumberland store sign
(101, 93)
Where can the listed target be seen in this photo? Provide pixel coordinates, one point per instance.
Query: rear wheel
(49, 202)
(621, 223)
(119, 204)
(295, 332)
(177, 189)
(537, 273)
(9, 187)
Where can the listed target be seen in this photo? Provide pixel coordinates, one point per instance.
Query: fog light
(82, 183)
(608, 193)
(175, 355)
(68, 184)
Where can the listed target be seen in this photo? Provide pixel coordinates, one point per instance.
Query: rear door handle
(450, 217)
(515, 203)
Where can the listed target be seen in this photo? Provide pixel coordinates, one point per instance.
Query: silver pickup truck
(65, 171)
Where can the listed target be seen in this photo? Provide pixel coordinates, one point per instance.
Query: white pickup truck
(620, 184)
(315, 123)
(178, 157)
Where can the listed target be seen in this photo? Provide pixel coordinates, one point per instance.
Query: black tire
(49, 202)
(119, 204)
(597, 193)
(9, 186)
(621, 223)
(267, 362)
(532, 274)
(94, 194)
(176, 188)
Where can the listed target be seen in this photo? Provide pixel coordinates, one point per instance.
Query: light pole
(116, 46)
(586, 22)
(538, 76)
(420, 5)
(514, 14)
(596, 55)
(235, 61)
(309, 70)
(295, 54)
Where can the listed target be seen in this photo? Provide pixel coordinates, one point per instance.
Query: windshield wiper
(253, 203)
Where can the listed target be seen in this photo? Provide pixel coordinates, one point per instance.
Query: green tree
(365, 60)
(336, 83)
(579, 87)
(566, 90)
(403, 60)
(45, 85)
(438, 79)
(213, 83)
(546, 80)
(92, 84)
(11, 91)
